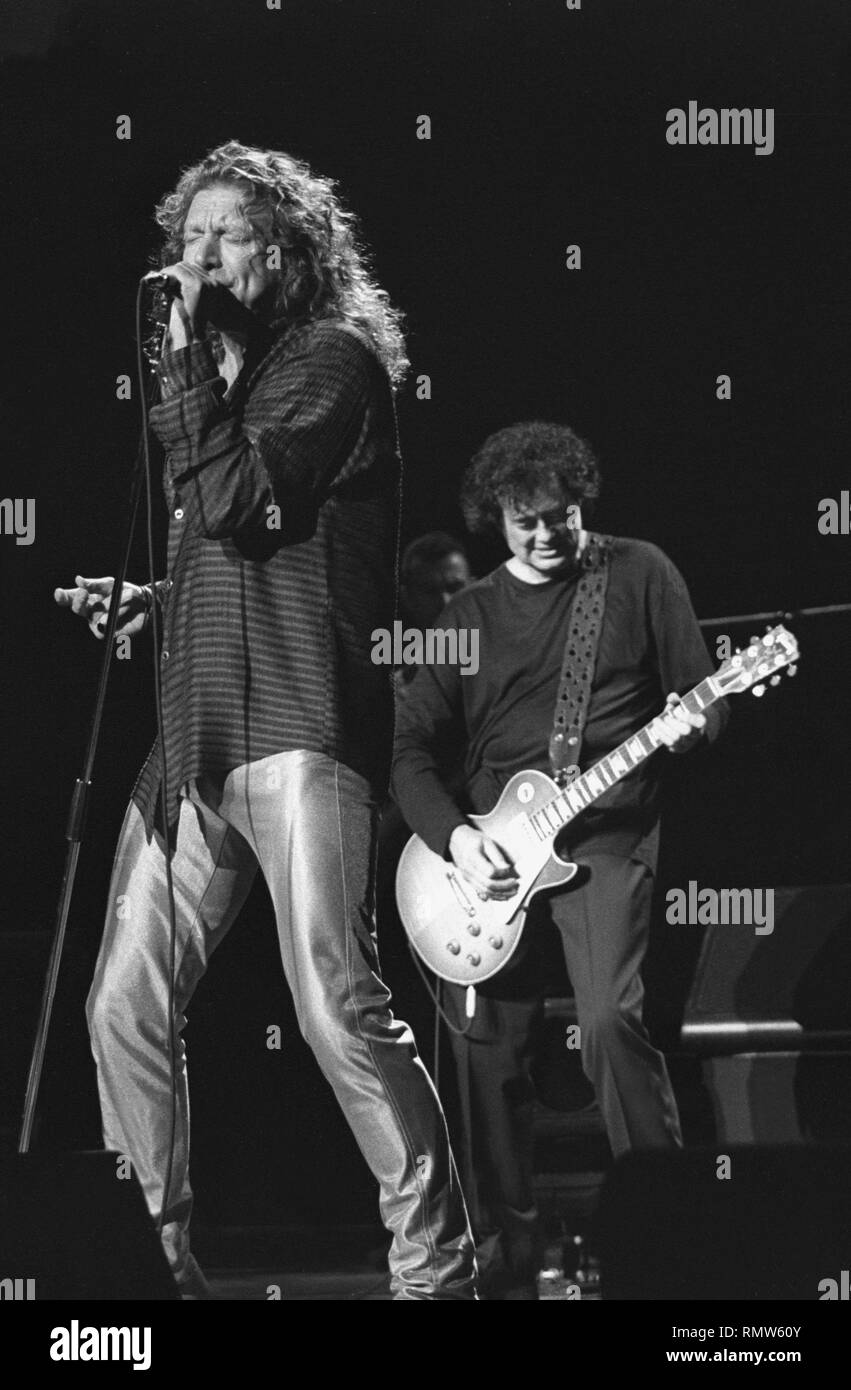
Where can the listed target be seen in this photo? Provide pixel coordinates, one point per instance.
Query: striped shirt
(283, 497)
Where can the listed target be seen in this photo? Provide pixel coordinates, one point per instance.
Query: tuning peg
(752, 640)
(793, 670)
(775, 680)
(758, 690)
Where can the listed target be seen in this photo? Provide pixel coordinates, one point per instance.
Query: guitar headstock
(762, 660)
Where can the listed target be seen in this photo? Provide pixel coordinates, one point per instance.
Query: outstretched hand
(91, 600)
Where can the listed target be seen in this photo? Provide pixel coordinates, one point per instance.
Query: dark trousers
(604, 927)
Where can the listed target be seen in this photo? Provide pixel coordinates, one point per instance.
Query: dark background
(548, 128)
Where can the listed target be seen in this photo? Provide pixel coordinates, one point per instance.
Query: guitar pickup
(462, 897)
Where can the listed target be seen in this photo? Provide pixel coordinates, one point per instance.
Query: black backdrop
(548, 128)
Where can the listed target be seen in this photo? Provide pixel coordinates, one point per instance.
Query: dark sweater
(502, 717)
(266, 630)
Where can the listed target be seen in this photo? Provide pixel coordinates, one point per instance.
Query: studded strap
(580, 657)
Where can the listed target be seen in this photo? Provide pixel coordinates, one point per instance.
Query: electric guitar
(466, 940)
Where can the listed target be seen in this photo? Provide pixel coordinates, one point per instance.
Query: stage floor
(355, 1286)
(244, 1264)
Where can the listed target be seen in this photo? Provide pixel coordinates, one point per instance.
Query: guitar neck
(578, 795)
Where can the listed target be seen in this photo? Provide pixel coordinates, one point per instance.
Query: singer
(282, 484)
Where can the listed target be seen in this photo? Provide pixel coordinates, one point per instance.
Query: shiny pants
(603, 927)
(310, 824)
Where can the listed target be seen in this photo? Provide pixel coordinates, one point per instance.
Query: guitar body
(459, 937)
(467, 941)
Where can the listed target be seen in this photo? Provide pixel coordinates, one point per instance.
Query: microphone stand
(75, 828)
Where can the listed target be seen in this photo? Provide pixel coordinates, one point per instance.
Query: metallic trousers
(310, 824)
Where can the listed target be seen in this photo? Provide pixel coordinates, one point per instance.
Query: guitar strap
(584, 626)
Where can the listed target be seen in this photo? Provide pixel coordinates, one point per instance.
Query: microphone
(166, 284)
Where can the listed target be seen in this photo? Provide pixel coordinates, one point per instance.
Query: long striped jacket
(283, 499)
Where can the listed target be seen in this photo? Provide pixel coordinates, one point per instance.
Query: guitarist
(534, 484)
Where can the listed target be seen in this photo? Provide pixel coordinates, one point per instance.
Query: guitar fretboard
(578, 795)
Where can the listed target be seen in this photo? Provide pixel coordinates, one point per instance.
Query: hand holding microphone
(163, 283)
(197, 300)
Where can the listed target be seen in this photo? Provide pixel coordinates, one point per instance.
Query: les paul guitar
(466, 940)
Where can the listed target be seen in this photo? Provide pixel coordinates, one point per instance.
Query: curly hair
(524, 462)
(325, 273)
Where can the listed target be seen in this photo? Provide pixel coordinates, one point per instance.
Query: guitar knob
(758, 690)
(454, 947)
(775, 680)
(496, 942)
(793, 670)
(474, 929)
(474, 958)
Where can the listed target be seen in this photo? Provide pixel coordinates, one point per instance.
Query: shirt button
(178, 514)
(169, 585)
(165, 656)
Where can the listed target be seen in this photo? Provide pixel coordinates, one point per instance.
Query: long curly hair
(524, 462)
(325, 272)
